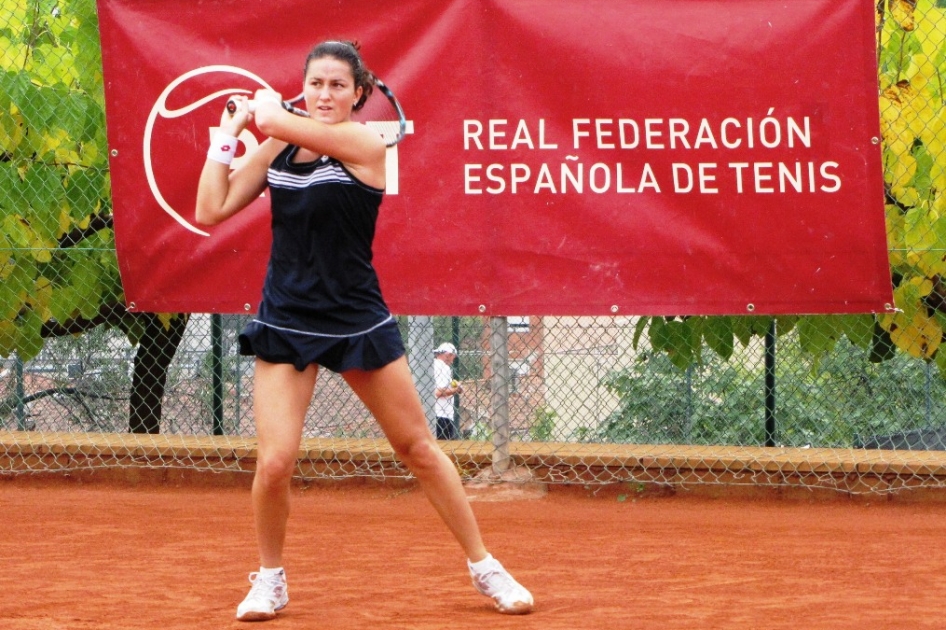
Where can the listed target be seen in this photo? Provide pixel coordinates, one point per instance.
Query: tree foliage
(58, 270)
(911, 37)
(57, 252)
(912, 67)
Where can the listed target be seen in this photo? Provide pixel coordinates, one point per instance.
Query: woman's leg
(281, 397)
(391, 397)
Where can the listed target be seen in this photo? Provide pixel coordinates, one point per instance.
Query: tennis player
(322, 307)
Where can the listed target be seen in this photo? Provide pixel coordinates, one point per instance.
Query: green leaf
(659, 335)
(44, 187)
(84, 188)
(718, 333)
(134, 327)
(28, 339)
(85, 281)
(742, 329)
(682, 342)
(34, 103)
(639, 330)
(786, 324)
(11, 184)
(817, 334)
(11, 301)
(64, 303)
(859, 329)
(7, 338)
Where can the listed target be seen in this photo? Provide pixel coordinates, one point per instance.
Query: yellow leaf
(920, 337)
(902, 12)
(939, 201)
(902, 170)
(88, 154)
(11, 131)
(41, 297)
(938, 175)
(895, 235)
(65, 220)
(909, 197)
(924, 286)
(165, 319)
(918, 112)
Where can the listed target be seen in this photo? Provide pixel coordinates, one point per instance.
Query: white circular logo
(160, 109)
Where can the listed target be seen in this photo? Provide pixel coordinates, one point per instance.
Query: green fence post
(770, 385)
(216, 371)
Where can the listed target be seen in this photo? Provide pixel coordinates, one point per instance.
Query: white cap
(446, 347)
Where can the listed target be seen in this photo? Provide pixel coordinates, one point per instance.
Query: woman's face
(329, 90)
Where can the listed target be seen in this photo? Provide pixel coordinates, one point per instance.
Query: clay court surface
(108, 555)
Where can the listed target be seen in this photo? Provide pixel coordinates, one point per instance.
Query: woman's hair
(346, 51)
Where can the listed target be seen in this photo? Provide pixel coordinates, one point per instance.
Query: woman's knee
(275, 469)
(422, 455)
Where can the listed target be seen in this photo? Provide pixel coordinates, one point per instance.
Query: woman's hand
(234, 124)
(268, 103)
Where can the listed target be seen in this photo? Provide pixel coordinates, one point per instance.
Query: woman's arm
(360, 149)
(221, 193)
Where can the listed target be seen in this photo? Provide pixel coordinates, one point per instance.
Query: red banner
(596, 157)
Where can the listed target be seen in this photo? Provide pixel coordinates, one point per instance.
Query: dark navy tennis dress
(321, 299)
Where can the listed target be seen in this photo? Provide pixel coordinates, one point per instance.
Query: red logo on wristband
(225, 147)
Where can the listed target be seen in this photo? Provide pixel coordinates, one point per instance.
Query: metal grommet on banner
(114, 152)
(614, 308)
(875, 140)
(246, 307)
(131, 306)
(750, 307)
(482, 308)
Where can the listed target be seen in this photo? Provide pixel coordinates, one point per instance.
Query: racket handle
(251, 106)
(232, 106)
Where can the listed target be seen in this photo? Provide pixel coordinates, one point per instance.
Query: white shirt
(443, 407)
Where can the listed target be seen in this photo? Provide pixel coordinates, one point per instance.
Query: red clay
(107, 556)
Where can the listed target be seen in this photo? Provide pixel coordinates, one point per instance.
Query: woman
(322, 306)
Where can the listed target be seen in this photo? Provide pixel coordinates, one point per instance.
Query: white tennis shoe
(494, 581)
(267, 595)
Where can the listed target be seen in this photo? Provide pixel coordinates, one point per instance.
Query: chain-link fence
(590, 399)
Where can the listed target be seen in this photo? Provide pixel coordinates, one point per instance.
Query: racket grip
(232, 106)
(251, 106)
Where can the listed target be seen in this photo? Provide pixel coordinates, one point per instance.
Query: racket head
(383, 112)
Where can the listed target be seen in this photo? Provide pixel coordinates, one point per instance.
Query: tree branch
(98, 222)
(108, 313)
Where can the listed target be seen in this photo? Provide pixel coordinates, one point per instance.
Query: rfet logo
(166, 139)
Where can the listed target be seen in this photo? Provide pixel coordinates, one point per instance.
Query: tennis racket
(381, 112)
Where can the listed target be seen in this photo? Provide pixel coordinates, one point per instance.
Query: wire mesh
(589, 399)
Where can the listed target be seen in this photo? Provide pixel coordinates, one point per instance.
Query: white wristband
(222, 148)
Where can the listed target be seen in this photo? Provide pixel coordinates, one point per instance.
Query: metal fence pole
(457, 368)
(499, 400)
(216, 371)
(770, 385)
(420, 356)
(20, 393)
(689, 403)
(928, 394)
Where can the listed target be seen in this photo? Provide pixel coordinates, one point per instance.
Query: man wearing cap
(445, 388)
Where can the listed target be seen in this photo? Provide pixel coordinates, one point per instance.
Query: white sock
(483, 564)
(264, 572)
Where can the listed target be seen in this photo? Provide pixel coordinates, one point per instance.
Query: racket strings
(383, 113)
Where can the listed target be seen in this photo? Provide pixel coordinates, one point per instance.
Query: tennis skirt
(365, 351)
